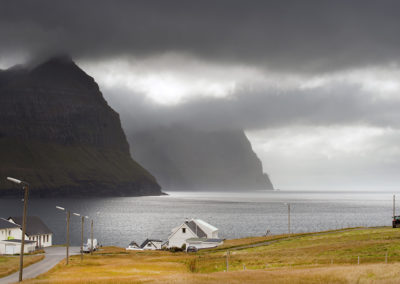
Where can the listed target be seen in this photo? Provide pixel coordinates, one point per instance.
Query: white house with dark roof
(10, 238)
(200, 233)
(151, 244)
(36, 231)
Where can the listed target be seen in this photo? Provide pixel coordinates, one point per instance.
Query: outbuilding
(13, 246)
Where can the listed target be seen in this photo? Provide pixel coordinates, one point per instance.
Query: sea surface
(118, 221)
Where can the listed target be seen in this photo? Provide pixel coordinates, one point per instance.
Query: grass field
(329, 257)
(10, 264)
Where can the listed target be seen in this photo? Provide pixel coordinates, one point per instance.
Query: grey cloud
(346, 104)
(300, 36)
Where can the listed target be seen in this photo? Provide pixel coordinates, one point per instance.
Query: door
(10, 249)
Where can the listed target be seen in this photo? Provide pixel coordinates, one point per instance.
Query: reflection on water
(117, 221)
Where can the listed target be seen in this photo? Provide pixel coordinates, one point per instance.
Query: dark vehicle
(191, 249)
(396, 222)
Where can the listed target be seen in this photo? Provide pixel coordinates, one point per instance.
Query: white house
(205, 235)
(151, 244)
(133, 246)
(36, 231)
(10, 238)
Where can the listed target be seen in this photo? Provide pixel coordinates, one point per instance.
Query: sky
(314, 84)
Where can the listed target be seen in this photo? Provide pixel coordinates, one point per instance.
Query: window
(47, 238)
(183, 230)
(149, 244)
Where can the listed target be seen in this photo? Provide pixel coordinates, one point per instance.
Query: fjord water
(118, 221)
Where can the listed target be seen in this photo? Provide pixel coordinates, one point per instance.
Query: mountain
(58, 133)
(183, 158)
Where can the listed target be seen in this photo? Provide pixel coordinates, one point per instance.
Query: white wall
(42, 240)
(153, 246)
(211, 231)
(202, 245)
(15, 248)
(14, 233)
(178, 238)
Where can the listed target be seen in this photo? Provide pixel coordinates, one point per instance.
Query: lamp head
(17, 181)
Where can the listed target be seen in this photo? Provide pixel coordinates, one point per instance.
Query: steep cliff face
(58, 133)
(186, 159)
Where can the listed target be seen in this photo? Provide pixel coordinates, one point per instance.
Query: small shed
(13, 246)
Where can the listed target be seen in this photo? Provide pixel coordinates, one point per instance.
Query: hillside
(183, 158)
(363, 255)
(58, 133)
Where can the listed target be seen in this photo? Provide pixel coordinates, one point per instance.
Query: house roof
(205, 225)
(196, 229)
(149, 240)
(18, 241)
(34, 225)
(133, 244)
(5, 224)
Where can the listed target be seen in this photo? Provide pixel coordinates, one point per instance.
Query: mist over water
(118, 221)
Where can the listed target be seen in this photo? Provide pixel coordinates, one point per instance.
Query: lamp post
(25, 186)
(288, 205)
(68, 216)
(82, 224)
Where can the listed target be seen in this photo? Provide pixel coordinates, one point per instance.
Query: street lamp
(68, 216)
(82, 223)
(25, 186)
(288, 206)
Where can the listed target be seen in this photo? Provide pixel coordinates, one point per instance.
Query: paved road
(53, 256)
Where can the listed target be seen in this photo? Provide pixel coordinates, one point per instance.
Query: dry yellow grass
(10, 264)
(301, 259)
(364, 273)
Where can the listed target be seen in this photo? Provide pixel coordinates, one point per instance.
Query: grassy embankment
(10, 264)
(304, 258)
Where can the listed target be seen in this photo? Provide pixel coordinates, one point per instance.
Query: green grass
(302, 258)
(371, 245)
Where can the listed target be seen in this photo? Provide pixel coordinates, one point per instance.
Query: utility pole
(67, 245)
(288, 208)
(227, 260)
(68, 216)
(394, 205)
(83, 220)
(289, 218)
(25, 187)
(91, 237)
(21, 257)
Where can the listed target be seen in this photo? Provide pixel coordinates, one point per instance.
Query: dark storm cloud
(300, 36)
